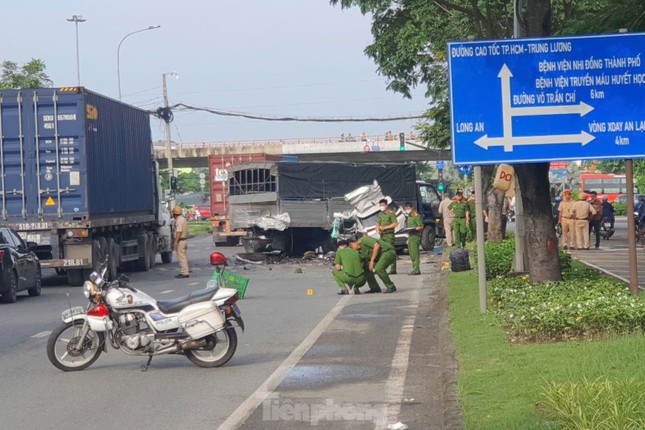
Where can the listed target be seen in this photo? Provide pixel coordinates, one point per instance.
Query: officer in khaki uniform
(566, 220)
(461, 209)
(447, 217)
(181, 241)
(385, 226)
(413, 221)
(582, 212)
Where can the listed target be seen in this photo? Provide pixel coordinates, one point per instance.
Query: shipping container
(73, 162)
(73, 155)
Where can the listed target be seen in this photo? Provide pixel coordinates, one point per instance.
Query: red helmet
(217, 258)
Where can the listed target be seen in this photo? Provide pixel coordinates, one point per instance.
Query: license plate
(76, 310)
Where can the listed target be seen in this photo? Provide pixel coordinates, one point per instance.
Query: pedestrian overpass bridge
(367, 149)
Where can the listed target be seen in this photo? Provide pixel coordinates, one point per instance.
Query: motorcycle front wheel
(219, 350)
(62, 349)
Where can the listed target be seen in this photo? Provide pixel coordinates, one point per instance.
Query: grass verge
(500, 385)
(200, 228)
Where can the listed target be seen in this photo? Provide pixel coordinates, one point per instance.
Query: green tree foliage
(410, 38)
(187, 182)
(409, 48)
(29, 75)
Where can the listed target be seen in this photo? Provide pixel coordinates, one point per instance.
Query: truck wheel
(113, 250)
(143, 263)
(153, 248)
(75, 277)
(427, 238)
(166, 257)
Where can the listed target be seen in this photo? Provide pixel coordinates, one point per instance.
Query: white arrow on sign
(508, 112)
(508, 142)
(582, 109)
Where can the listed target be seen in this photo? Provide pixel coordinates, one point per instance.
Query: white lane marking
(255, 400)
(41, 334)
(396, 380)
(166, 292)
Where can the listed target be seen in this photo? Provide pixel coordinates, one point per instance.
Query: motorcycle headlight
(89, 289)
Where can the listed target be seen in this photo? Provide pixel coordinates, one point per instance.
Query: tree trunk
(493, 200)
(541, 240)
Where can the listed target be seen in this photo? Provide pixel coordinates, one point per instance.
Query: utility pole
(168, 140)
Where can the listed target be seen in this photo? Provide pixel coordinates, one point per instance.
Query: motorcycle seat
(175, 305)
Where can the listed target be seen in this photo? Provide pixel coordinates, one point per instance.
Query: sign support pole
(631, 230)
(520, 231)
(481, 251)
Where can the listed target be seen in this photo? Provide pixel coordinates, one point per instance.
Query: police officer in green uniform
(385, 226)
(348, 268)
(378, 255)
(472, 225)
(460, 225)
(413, 221)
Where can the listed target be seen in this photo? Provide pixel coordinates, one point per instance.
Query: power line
(289, 118)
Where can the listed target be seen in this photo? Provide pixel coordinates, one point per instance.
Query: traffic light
(402, 141)
(440, 187)
(173, 183)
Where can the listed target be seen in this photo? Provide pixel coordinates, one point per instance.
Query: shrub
(621, 209)
(499, 257)
(592, 405)
(582, 306)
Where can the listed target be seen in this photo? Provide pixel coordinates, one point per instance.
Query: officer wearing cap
(348, 269)
(415, 224)
(461, 209)
(181, 241)
(582, 212)
(386, 226)
(565, 218)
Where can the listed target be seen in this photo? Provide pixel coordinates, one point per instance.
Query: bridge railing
(297, 141)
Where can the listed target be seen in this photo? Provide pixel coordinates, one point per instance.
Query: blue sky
(279, 57)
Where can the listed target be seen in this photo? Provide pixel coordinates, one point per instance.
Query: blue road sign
(548, 99)
(440, 165)
(466, 169)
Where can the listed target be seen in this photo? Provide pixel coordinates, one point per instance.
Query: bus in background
(605, 184)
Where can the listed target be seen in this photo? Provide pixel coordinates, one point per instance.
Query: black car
(19, 266)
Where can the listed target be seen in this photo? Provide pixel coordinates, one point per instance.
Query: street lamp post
(118, 51)
(76, 19)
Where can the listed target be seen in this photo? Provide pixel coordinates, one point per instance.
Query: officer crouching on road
(348, 269)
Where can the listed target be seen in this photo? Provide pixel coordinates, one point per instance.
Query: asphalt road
(304, 345)
(613, 254)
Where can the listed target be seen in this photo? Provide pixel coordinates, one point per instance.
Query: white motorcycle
(198, 325)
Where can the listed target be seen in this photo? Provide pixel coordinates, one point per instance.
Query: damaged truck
(293, 207)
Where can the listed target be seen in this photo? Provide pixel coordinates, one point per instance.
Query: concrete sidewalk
(384, 359)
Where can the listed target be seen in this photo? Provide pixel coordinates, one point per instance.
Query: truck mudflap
(67, 263)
